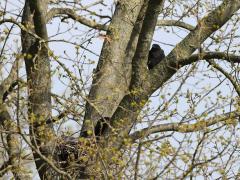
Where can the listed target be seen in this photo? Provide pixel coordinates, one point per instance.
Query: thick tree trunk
(38, 78)
(112, 76)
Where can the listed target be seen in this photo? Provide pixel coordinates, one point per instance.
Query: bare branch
(92, 4)
(21, 26)
(4, 169)
(73, 15)
(216, 55)
(185, 128)
(11, 79)
(175, 23)
(211, 55)
(233, 81)
(194, 165)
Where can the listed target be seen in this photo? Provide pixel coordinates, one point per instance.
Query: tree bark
(110, 82)
(38, 78)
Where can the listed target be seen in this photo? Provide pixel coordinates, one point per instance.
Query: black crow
(156, 54)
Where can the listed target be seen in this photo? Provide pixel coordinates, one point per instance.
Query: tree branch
(73, 15)
(21, 26)
(5, 168)
(227, 118)
(38, 9)
(11, 79)
(232, 58)
(211, 55)
(175, 23)
(230, 78)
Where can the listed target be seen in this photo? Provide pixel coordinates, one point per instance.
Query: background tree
(178, 120)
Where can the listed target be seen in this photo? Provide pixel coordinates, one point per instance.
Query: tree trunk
(37, 64)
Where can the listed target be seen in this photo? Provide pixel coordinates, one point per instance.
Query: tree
(178, 120)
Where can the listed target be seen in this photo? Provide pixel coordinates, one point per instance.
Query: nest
(74, 152)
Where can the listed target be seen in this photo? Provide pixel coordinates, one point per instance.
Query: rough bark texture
(38, 77)
(111, 82)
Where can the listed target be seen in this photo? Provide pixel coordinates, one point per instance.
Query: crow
(156, 54)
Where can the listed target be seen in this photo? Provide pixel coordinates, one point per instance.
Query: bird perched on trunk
(156, 54)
